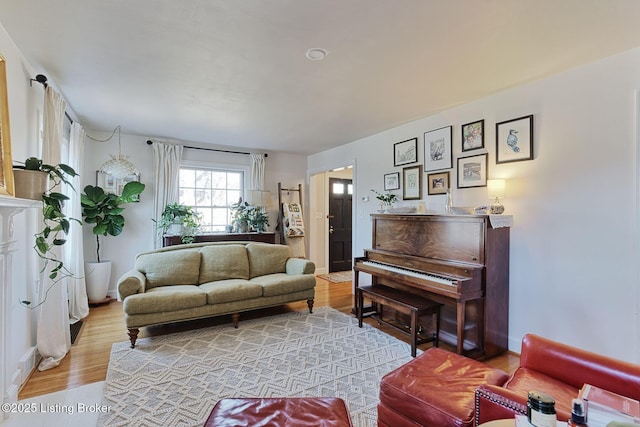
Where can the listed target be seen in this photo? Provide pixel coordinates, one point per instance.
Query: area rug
(338, 277)
(176, 379)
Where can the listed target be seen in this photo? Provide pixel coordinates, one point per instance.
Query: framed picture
(514, 140)
(473, 135)
(412, 183)
(437, 183)
(111, 184)
(6, 164)
(392, 181)
(405, 152)
(472, 171)
(437, 149)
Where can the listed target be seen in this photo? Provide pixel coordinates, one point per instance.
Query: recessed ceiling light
(316, 54)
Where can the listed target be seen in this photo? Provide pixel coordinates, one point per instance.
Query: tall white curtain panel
(73, 250)
(53, 337)
(166, 162)
(257, 171)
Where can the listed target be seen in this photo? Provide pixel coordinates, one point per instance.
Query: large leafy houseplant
(55, 223)
(104, 210)
(183, 217)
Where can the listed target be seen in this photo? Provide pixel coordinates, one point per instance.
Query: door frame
(319, 209)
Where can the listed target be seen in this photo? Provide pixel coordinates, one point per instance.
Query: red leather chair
(557, 370)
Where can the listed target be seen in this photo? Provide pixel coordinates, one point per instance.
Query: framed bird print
(514, 140)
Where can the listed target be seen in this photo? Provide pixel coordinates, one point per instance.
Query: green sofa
(186, 282)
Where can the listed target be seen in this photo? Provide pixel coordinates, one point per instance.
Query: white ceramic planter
(97, 276)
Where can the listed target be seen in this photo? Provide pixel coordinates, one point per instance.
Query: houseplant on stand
(178, 219)
(104, 211)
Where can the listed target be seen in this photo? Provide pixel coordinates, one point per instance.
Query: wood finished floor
(88, 359)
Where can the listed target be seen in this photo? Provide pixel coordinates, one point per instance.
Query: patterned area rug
(338, 277)
(175, 380)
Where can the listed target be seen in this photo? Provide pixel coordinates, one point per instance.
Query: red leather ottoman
(280, 412)
(436, 388)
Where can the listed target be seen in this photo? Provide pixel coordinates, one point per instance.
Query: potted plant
(179, 219)
(36, 180)
(386, 200)
(240, 215)
(104, 211)
(257, 219)
(31, 179)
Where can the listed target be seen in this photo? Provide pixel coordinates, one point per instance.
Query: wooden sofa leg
(235, 317)
(133, 336)
(310, 304)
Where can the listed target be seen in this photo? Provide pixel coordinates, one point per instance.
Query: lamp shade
(496, 188)
(259, 198)
(119, 166)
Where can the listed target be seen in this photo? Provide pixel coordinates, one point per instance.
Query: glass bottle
(448, 203)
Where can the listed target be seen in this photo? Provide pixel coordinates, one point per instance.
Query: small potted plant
(104, 211)
(179, 219)
(257, 219)
(386, 200)
(240, 216)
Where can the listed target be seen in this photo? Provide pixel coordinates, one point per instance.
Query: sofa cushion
(437, 388)
(165, 298)
(223, 262)
(282, 283)
(524, 380)
(222, 291)
(180, 267)
(265, 258)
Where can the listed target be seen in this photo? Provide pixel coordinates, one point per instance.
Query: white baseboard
(27, 364)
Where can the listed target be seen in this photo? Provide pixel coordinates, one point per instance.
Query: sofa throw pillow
(223, 262)
(265, 258)
(181, 267)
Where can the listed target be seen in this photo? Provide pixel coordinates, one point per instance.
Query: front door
(340, 192)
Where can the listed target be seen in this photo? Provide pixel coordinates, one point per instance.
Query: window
(211, 192)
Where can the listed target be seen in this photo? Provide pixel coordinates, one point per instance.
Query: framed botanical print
(405, 152)
(514, 140)
(473, 136)
(437, 183)
(472, 171)
(114, 185)
(437, 149)
(412, 183)
(392, 181)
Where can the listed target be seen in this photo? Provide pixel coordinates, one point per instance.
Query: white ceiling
(234, 72)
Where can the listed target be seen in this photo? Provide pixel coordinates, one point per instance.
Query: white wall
(25, 106)
(139, 229)
(574, 244)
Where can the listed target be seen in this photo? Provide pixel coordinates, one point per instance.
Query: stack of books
(604, 406)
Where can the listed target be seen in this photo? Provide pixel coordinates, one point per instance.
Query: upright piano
(461, 261)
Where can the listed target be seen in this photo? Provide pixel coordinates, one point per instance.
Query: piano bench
(436, 388)
(406, 303)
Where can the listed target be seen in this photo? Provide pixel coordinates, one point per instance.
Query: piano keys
(459, 261)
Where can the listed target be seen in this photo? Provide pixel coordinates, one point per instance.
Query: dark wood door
(340, 192)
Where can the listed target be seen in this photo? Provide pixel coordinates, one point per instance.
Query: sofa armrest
(495, 403)
(300, 266)
(132, 282)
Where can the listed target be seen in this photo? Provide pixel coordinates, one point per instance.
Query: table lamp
(496, 190)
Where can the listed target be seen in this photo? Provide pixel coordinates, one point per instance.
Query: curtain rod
(149, 142)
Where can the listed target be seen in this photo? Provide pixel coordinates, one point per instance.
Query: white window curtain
(166, 161)
(53, 337)
(257, 171)
(73, 250)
